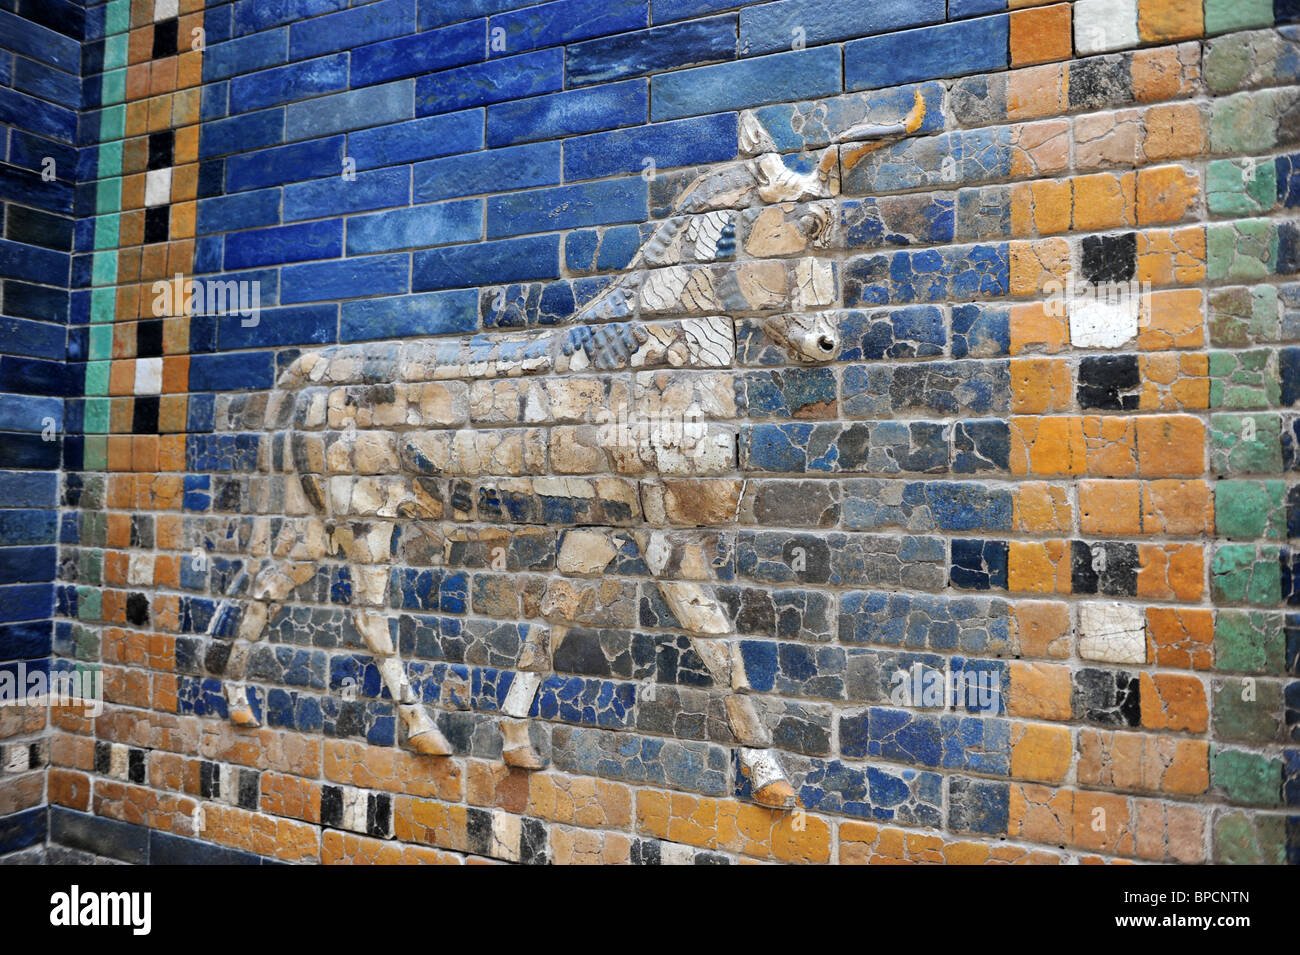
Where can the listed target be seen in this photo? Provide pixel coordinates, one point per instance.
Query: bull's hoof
(422, 733)
(767, 779)
(240, 709)
(777, 795)
(517, 749)
(432, 743)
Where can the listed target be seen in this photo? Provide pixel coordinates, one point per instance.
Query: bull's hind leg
(271, 584)
(367, 546)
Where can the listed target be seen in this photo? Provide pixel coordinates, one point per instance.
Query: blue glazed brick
(603, 249)
(33, 339)
(564, 21)
(328, 74)
(511, 78)
(27, 565)
(244, 55)
(196, 497)
(432, 313)
(487, 263)
(436, 13)
(421, 53)
(26, 602)
(1288, 180)
(26, 489)
(26, 641)
(978, 805)
(949, 49)
(798, 74)
(300, 325)
(21, 261)
(31, 39)
(915, 331)
(443, 135)
(239, 133)
(29, 413)
(664, 11)
(536, 164)
(37, 116)
(374, 189)
(357, 109)
(244, 210)
(980, 445)
(281, 244)
(1289, 371)
(231, 372)
(979, 564)
(45, 82)
(590, 702)
(218, 452)
(959, 9)
(905, 796)
(694, 43)
(443, 223)
(344, 278)
(682, 143)
(568, 113)
(251, 16)
(770, 27)
(566, 207)
(351, 28)
(980, 331)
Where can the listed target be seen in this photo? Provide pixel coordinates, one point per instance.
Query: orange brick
(1036, 92)
(1040, 752)
(1181, 637)
(1039, 690)
(1166, 194)
(1171, 506)
(1170, 445)
(1042, 508)
(1174, 318)
(1104, 201)
(1041, 386)
(1042, 628)
(1038, 266)
(1174, 132)
(1051, 445)
(1173, 701)
(1041, 814)
(1040, 35)
(1109, 446)
(1038, 326)
(1110, 507)
(1041, 567)
(1171, 571)
(1160, 21)
(1102, 823)
(1166, 72)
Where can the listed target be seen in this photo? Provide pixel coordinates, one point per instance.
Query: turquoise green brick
(1244, 123)
(108, 196)
(1241, 187)
(92, 493)
(1251, 779)
(1250, 510)
(113, 87)
(1246, 444)
(106, 231)
(95, 456)
(1247, 709)
(1226, 16)
(1244, 379)
(89, 603)
(1249, 641)
(1243, 250)
(117, 17)
(103, 270)
(90, 565)
(1241, 315)
(97, 415)
(92, 529)
(85, 642)
(1242, 573)
(1242, 838)
(103, 305)
(97, 377)
(115, 48)
(101, 342)
(110, 160)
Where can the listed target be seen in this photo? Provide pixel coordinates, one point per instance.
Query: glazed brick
(768, 27)
(259, 207)
(346, 29)
(374, 189)
(282, 244)
(569, 113)
(681, 143)
(433, 313)
(443, 135)
(534, 257)
(643, 52)
(23, 35)
(377, 275)
(244, 55)
(443, 223)
(249, 131)
(798, 74)
(372, 106)
(230, 372)
(535, 164)
(945, 50)
(565, 21)
(619, 200)
(425, 52)
(250, 17)
(497, 81)
(328, 74)
(301, 325)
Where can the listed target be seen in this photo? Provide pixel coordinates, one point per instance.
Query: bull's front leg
(367, 547)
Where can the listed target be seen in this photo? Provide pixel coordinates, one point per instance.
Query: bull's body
(371, 435)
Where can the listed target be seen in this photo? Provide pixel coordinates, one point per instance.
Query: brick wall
(40, 66)
(321, 552)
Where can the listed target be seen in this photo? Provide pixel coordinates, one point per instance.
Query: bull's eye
(826, 344)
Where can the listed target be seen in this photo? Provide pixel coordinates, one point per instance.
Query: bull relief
(377, 446)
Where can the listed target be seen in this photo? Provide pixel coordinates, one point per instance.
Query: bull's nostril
(826, 344)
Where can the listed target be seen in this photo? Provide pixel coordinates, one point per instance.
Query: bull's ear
(753, 137)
